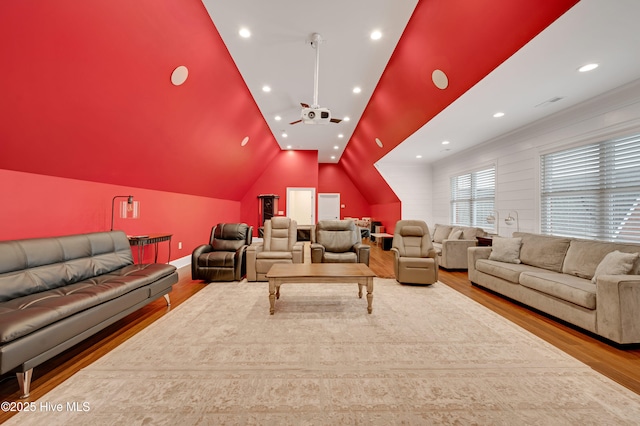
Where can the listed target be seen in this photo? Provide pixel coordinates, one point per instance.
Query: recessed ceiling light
(336, 147)
(277, 118)
(341, 136)
(266, 88)
(418, 156)
(333, 157)
(346, 119)
(244, 33)
(445, 142)
(379, 142)
(288, 146)
(244, 141)
(498, 114)
(588, 67)
(357, 89)
(284, 134)
(376, 35)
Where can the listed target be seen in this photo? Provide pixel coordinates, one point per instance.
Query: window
(473, 198)
(593, 191)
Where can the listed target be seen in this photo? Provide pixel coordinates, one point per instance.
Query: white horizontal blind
(473, 197)
(593, 191)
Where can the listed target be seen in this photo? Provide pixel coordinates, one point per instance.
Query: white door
(301, 205)
(329, 206)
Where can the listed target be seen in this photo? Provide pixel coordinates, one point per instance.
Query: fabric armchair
(223, 259)
(415, 259)
(338, 241)
(279, 245)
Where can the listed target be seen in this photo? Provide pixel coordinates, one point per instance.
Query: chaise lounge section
(56, 292)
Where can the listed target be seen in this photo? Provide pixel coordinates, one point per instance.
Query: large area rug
(426, 355)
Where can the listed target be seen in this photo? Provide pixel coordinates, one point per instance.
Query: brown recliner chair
(223, 259)
(338, 241)
(415, 259)
(279, 245)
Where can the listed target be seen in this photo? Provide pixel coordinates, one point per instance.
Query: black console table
(144, 240)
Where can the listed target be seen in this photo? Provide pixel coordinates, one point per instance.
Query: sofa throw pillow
(455, 234)
(615, 263)
(441, 232)
(506, 249)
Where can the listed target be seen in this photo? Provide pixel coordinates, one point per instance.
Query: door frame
(290, 190)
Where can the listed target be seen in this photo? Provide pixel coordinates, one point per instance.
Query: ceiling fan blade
(335, 120)
(296, 122)
(304, 105)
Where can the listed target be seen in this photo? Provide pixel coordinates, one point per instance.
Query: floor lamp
(509, 220)
(494, 219)
(130, 207)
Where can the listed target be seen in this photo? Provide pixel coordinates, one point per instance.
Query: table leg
(360, 290)
(272, 295)
(369, 294)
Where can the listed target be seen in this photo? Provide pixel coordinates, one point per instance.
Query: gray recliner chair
(338, 241)
(223, 259)
(279, 245)
(415, 259)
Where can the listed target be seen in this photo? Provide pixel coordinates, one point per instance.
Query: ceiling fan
(314, 114)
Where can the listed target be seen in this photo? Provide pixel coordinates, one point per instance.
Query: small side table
(384, 238)
(485, 241)
(143, 240)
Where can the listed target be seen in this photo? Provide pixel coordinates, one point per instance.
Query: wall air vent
(550, 101)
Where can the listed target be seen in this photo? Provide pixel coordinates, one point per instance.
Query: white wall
(517, 155)
(413, 186)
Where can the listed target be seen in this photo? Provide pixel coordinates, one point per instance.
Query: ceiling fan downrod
(316, 39)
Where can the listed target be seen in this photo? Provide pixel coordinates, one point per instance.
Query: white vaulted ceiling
(279, 55)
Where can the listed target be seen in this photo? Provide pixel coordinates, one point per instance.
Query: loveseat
(556, 275)
(451, 243)
(55, 292)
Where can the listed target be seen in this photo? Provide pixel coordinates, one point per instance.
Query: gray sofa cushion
(583, 257)
(23, 315)
(507, 271)
(576, 290)
(40, 264)
(441, 233)
(543, 251)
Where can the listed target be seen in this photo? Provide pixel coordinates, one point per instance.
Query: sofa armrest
(200, 250)
(474, 254)
(363, 251)
(298, 252)
(252, 253)
(618, 308)
(317, 252)
(454, 253)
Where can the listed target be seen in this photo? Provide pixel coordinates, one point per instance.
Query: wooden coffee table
(302, 273)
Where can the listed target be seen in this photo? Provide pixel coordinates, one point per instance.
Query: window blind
(593, 191)
(473, 198)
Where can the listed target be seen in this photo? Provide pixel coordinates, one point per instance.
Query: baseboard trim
(182, 262)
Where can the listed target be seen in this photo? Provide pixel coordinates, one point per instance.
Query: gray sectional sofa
(56, 292)
(556, 275)
(451, 245)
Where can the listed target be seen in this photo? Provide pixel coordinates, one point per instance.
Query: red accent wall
(465, 39)
(288, 169)
(388, 214)
(43, 206)
(86, 93)
(332, 178)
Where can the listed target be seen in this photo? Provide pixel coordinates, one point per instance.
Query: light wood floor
(620, 364)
